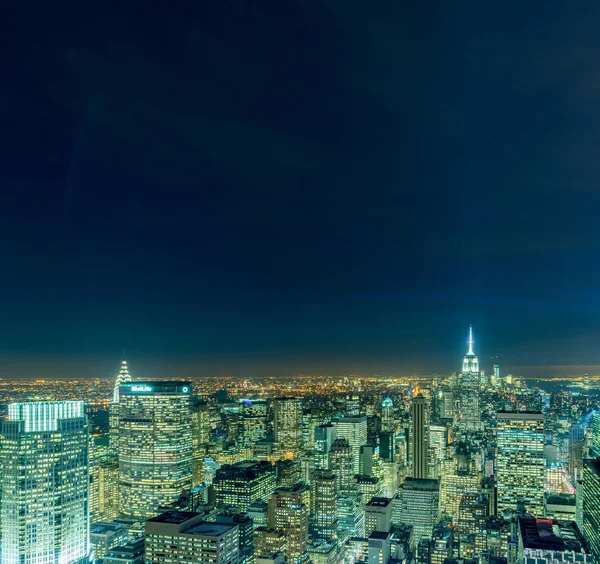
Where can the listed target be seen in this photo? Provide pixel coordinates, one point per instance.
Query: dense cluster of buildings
(468, 468)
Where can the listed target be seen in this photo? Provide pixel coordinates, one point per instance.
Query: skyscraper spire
(470, 352)
(122, 377)
(470, 361)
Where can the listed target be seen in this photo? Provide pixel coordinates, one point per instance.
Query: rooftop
(105, 527)
(550, 534)
(379, 535)
(209, 529)
(174, 517)
(380, 501)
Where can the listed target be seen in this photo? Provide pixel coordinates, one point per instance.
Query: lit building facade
(239, 485)
(354, 430)
(520, 467)
(289, 511)
(287, 425)
(155, 446)
(341, 463)
(378, 515)
(113, 411)
(417, 504)
(178, 536)
(469, 382)
(591, 504)
(324, 506)
(45, 484)
(324, 435)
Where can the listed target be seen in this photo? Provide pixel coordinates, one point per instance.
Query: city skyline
(158, 367)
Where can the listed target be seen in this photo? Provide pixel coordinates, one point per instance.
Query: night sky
(267, 187)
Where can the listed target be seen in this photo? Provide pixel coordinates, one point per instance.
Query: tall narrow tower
(470, 416)
(419, 437)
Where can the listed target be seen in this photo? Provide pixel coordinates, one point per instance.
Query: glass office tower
(45, 484)
(155, 446)
(520, 461)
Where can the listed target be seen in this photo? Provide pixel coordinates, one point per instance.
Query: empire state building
(470, 361)
(470, 416)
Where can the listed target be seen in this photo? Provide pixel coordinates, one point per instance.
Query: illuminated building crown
(122, 377)
(470, 361)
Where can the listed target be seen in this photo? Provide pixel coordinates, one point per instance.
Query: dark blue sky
(271, 187)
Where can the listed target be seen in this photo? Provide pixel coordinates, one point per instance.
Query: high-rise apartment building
(154, 445)
(354, 430)
(324, 500)
(591, 504)
(419, 437)
(289, 511)
(183, 537)
(287, 425)
(520, 468)
(239, 485)
(45, 484)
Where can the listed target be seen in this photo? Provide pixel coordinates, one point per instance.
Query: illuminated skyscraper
(351, 516)
(45, 484)
(238, 485)
(94, 469)
(596, 434)
(438, 438)
(200, 435)
(324, 437)
(324, 501)
(470, 416)
(417, 504)
(287, 424)
(591, 505)
(122, 378)
(155, 445)
(520, 467)
(289, 511)
(419, 437)
(254, 421)
(341, 463)
(387, 416)
(354, 430)
(108, 488)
